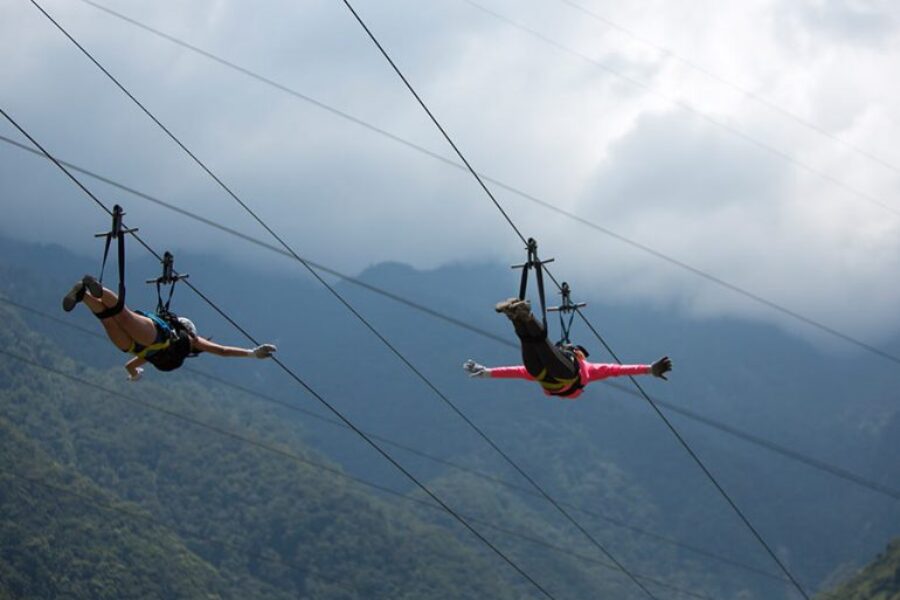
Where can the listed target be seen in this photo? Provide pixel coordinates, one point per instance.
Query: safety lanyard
(168, 278)
(533, 262)
(566, 310)
(117, 232)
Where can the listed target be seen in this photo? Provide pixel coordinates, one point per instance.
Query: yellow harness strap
(556, 384)
(559, 384)
(149, 349)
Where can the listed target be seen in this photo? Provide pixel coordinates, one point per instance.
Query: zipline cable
(688, 414)
(518, 192)
(349, 307)
(297, 378)
(243, 439)
(671, 427)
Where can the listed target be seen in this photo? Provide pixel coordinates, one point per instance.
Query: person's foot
(93, 286)
(75, 295)
(514, 308)
(502, 307)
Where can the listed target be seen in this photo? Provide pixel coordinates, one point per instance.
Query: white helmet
(189, 325)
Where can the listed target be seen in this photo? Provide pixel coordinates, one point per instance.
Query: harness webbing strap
(163, 307)
(539, 275)
(557, 384)
(169, 277)
(559, 387)
(523, 285)
(118, 233)
(105, 256)
(148, 349)
(566, 310)
(533, 262)
(566, 327)
(577, 385)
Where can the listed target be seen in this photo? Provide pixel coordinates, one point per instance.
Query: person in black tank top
(151, 338)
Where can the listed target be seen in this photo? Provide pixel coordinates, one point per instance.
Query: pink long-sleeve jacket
(587, 372)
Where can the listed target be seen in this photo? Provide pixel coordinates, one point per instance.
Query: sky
(753, 141)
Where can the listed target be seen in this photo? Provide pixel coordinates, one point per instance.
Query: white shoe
(514, 308)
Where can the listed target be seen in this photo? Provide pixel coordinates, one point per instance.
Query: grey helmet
(188, 325)
(570, 347)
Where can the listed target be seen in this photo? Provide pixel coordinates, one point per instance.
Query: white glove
(264, 351)
(475, 370)
(136, 375)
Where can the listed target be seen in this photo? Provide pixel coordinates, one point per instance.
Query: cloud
(859, 22)
(634, 138)
(742, 215)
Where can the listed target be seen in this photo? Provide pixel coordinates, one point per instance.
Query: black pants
(543, 361)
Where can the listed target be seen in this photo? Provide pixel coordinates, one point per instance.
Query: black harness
(180, 347)
(566, 310)
(173, 355)
(577, 385)
(533, 262)
(570, 390)
(117, 232)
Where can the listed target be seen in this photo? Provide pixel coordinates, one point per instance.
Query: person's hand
(661, 367)
(475, 370)
(136, 374)
(264, 351)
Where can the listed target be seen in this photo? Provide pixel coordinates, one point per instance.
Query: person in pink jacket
(561, 370)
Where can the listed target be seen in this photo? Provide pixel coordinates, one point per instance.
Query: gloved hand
(661, 367)
(136, 375)
(264, 351)
(475, 370)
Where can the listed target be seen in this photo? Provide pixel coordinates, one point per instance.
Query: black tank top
(172, 357)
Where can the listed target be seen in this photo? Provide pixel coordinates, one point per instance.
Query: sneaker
(75, 295)
(93, 286)
(514, 308)
(502, 307)
(520, 311)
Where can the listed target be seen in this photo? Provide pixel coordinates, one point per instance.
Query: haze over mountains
(606, 453)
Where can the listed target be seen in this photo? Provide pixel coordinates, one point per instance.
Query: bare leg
(125, 327)
(114, 332)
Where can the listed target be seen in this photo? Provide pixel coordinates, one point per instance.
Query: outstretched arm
(476, 370)
(204, 345)
(597, 371)
(134, 369)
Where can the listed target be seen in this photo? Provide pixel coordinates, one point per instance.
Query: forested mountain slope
(243, 511)
(879, 580)
(104, 497)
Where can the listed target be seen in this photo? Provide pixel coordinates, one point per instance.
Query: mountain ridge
(565, 444)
